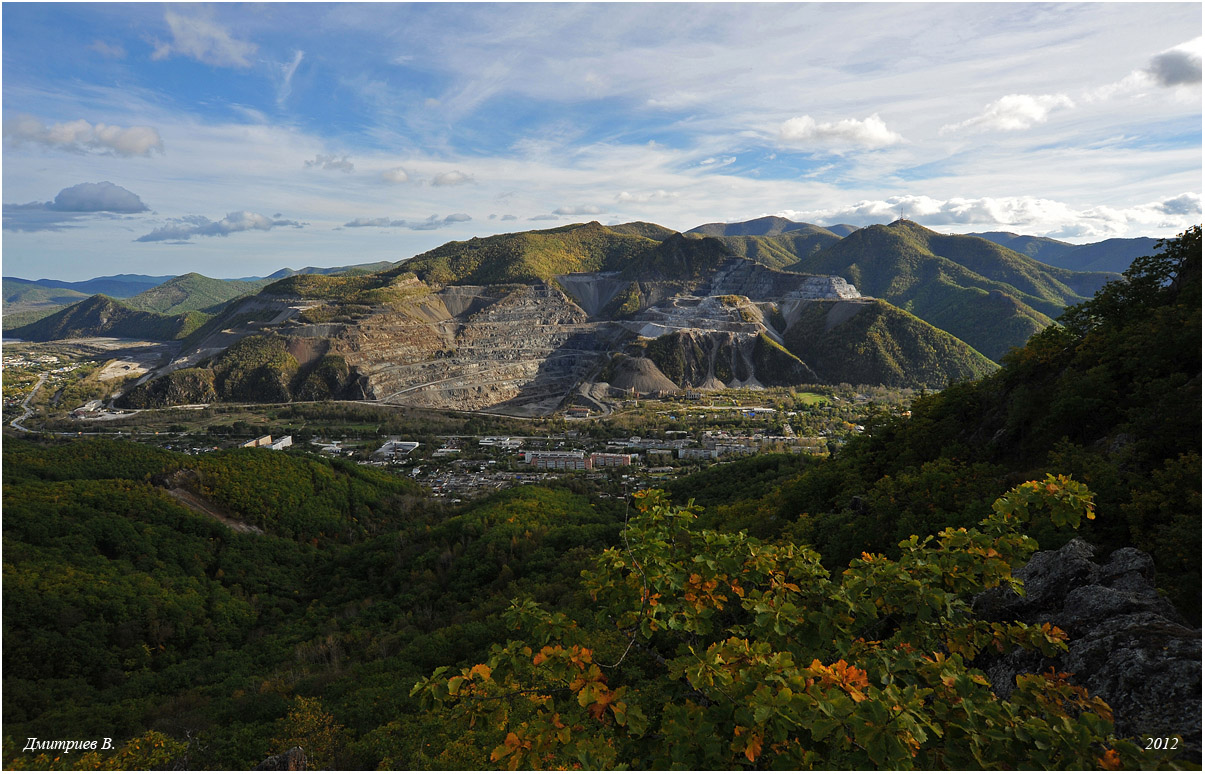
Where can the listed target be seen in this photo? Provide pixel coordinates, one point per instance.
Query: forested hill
(104, 316)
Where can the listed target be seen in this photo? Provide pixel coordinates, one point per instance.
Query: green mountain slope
(947, 280)
(529, 256)
(873, 342)
(780, 250)
(103, 316)
(191, 292)
(644, 229)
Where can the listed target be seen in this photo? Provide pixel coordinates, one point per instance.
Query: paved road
(25, 405)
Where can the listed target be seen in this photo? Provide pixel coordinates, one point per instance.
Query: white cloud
(717, 161)
(432, 222)
(80, 136)
(338, 163)
(1026, 214)
(197, 225)
(871, 132)
(1013, 112)
(395, 175)
(584, 209)
(455, 177)
(203, 40)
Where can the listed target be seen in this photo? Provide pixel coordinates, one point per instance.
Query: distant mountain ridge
(1112, 255)
(516, 322)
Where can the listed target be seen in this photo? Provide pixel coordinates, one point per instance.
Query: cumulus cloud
(191, 226)
(717, 161)
(544, 217)
(1013, 112)
(1032, 215)
(79, 136)
(203, 40)
(870, 133)
(339, 163)
(581, 209)
(509, 217)
(432, 222)
(455, 177)
(1178, 66)
(70, 205)
(395, 175)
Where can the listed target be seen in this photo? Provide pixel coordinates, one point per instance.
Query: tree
(729, 652)
(314, 730)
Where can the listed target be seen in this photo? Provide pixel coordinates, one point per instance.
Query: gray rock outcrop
(1126, 644)
(292, 759)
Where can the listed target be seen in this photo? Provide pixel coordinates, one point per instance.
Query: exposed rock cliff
(1127, 644)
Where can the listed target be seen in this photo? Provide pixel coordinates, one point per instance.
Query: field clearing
(811, 398)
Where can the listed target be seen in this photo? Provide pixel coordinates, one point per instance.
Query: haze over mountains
(524, 322)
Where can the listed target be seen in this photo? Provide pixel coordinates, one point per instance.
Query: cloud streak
(1013, 112)
(431, 223)
(332, 162)
(198, 225)
(203, 40)
(455, 177)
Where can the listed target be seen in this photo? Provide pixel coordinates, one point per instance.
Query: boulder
(1126, 644)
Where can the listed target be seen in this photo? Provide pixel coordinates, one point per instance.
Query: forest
(776, 612)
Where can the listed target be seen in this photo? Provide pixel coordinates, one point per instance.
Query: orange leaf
(753, 748)
(1110, 761)
(481, 669)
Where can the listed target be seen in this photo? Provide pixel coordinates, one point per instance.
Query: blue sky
(234, 140)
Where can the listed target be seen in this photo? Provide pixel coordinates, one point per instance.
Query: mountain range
(528, 321)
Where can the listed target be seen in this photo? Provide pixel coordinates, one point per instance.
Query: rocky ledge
(1127, 644)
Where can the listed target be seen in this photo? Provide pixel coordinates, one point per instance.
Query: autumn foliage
(719, 651)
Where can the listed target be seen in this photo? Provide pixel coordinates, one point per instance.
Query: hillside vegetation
(532, 256)
(257, 368)
(191, 292)
(946, 280)
(104, 316)
(877, 343)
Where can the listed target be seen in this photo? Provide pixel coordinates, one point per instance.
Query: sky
(238, 139)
